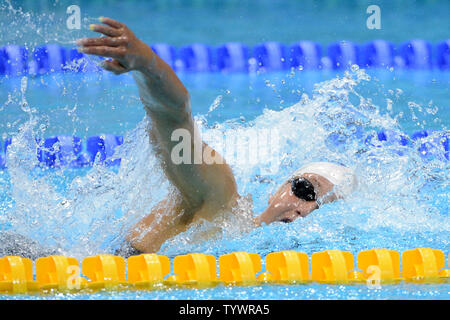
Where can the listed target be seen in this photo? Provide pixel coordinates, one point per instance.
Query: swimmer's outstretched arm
(204, 188)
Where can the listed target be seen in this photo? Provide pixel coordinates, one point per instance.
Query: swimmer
(204, 190)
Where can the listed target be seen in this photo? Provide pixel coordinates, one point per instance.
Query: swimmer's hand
(126, 50)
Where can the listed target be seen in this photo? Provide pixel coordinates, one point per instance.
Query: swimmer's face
(285, 206)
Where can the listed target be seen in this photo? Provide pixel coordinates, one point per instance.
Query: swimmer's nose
(302, 211)
(274, 211)
(290, 216)
(286, 211)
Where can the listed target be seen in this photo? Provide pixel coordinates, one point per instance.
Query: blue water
(403, 200)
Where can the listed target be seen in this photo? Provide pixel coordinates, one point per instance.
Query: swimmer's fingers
(120, 43)
(104, 51)
(113, 66)
(107, 31)
(103, 41)
(112, 23)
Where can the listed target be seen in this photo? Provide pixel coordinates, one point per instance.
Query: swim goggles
(303, 189)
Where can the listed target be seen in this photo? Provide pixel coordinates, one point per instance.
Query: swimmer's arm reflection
(204, 189)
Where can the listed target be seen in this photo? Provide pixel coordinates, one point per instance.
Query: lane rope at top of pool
(237, 57)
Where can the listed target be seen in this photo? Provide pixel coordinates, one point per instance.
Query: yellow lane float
(286, 266)
(239, 268)
(199, 270)
(147, 270)
(59, 273)
(105, 271)
(381, 265)
(16, 275)
(196, 269)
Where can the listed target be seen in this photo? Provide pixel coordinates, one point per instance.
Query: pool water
(267, 292)
(215, 21)
(403, 199)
